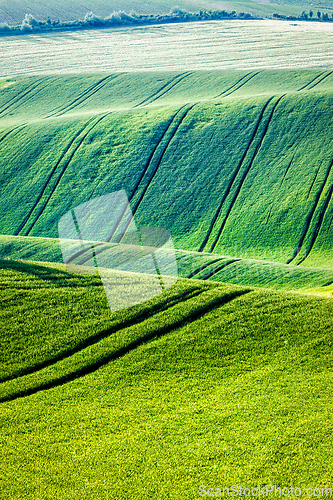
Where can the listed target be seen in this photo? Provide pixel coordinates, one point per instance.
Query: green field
(225, 379)
(213, 385)
(235, 164)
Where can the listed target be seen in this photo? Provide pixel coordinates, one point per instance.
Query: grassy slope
(14, 12)
(205, 390)
(238, 163)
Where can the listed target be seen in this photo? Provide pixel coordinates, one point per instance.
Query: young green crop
(238, 392)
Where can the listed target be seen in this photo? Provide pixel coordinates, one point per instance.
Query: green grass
(236, 163)
(216, 385)
(197, 265)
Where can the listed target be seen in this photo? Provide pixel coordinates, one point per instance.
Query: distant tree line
(324, 17)
(121, 18)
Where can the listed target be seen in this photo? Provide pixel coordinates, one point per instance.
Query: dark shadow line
(155, 334)
(120, 325)
(233, 178)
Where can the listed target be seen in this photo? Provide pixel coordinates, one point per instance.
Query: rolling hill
(207, 385)
(235, 164)
(210, 384)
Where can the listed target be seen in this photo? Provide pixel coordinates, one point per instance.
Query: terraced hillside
(235, 164)
(213, 385)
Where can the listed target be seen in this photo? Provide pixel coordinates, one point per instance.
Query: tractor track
(94, 339)
(85, 132)
(287, 170)
(231, 89)
(311, 81)
(164, 89)
(192, 315)
(240, 185)
(18, 97)
(83, 96)
(233, 178)
(63, 154)
(218, 269)
(173, 128)
(310, 218)
(309, 85)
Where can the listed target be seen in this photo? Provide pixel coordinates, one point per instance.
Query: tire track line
(116, 327)
(156, 158)
(20, 95)
(144, 172)
(174, 127)
(310, 218)
(235, 174)
(240, 185)
(218, 269)
(86, 132)
(170, 84)
(9, 132)
(231, 89)
(179, 321)
(63, 154)
(17, 100)
(317, 83)
(201, 268)
(83, 96)
(311, 81)
(284, 176)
